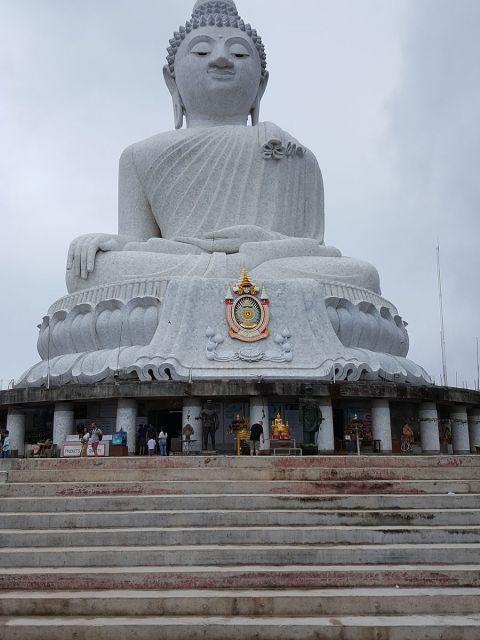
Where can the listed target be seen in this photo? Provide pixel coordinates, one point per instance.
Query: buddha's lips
(225, 73)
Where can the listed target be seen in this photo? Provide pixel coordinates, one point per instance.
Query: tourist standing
(96, 435)
(162, 441)
(84, 438)
(151, 444)
(141, 431)
(256, 432)
(6, 445)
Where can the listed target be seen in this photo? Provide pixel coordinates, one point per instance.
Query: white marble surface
(63, 424)
(16, 428)
(191, 409)
(196, 204)
(429, 431)
(326, 441)
(461, 439)
(193, 307)
(474, 429)
(381, 424)
(126, 421)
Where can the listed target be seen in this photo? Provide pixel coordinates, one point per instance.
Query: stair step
(240, 501)
(249, 535)
(255, 462)
(287, 602)
(376, 547)
(187, 487)
(194, 555)
(238, 517)
(431, 627)
(354, 474)
(239, 577)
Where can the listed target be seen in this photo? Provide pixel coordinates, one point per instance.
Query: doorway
(171, 421)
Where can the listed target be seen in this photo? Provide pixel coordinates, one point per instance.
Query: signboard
(73, 450)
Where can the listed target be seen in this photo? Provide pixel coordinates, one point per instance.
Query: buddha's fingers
(71, 252)
(244, 232)
(91, 253)
(84, 256)
(77, 258)
(213, 245)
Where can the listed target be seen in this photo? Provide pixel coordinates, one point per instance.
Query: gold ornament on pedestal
(240, 428)
(279, 429)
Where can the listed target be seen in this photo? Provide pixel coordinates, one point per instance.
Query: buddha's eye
(201, 49)
(237, 50)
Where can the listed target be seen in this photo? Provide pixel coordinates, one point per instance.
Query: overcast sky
(386, 93)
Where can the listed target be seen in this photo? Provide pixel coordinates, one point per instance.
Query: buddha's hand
(82, 251)
(230, 239)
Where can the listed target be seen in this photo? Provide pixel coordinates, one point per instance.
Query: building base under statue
(444, 420)
(159, 329)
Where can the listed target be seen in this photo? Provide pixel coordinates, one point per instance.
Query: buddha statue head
(216, 68)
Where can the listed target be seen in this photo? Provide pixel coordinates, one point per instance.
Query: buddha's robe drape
(199, 180)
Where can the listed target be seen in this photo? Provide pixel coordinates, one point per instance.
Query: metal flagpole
(478, 370)
(442, 325)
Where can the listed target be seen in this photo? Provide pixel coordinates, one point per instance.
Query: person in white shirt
(151, 444)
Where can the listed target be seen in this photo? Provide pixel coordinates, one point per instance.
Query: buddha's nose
(220, 59)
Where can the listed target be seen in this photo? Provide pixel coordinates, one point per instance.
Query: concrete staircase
(377, 548)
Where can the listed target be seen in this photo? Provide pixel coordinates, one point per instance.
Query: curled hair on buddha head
(211, 13)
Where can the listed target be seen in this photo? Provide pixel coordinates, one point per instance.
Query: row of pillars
(64, 425)
(465, 425)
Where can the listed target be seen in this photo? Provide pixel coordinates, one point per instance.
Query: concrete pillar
(326, 441)
(381, 426)
(259, 411)
(429, 432)
(126, 421)
(62, 422)
(474, 429)
(191, 409)
(461, 440)
(16, 430)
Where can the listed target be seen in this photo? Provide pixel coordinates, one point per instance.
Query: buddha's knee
(332, 269)
(357, 272)
(109, 267)
(116, 266)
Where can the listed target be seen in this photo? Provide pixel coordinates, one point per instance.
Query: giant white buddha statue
(221, 193)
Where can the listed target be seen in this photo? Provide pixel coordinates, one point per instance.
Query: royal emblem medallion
(247, 314)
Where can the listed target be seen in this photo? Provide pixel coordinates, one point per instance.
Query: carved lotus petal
(251, 355)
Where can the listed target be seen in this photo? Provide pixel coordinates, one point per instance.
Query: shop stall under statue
(223, 195)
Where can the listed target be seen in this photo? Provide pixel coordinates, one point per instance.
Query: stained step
(274, 487)
(250, 535)
(406, 627)
(239, 517)
(99, 473)
(224, 555)
(240, 501)
(287, 602)
(245, 577)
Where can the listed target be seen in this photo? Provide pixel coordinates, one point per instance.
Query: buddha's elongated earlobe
(255, 110)
(178, 108)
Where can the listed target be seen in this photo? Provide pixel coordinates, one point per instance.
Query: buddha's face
(217, 73)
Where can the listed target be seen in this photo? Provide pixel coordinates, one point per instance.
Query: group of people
(150, 442)
(90, 436)
(5, 444)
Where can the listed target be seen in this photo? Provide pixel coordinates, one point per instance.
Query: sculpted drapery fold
(196, 181)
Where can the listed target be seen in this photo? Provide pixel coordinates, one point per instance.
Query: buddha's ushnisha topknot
(219, 13)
